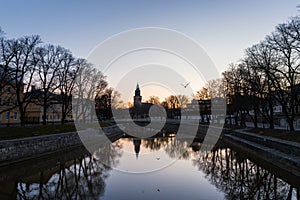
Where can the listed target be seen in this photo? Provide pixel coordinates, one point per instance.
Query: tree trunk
(202, 118)
(44, 112)
(22, 115)
(63, 114)
(22, 118)
(271, 121)
(291, 124)
(63, 118)
(236, 121)
(255, 117)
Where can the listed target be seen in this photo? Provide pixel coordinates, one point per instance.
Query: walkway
(279, 152)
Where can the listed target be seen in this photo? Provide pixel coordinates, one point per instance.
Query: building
(204, 108)
(9, 110)
(34, 112)
(139, 109)
(137, 99)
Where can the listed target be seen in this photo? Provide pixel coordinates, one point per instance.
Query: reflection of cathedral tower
(137, 99)
(137, 145)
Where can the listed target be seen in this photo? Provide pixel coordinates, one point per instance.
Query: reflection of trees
(240, 178)
(178, 149)
(156, 144)
(82, 178)
(236, 176)
(108, 153)
(175, 148)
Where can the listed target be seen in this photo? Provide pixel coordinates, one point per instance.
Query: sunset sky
(223, 28)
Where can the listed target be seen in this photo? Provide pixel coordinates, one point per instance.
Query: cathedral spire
(137, 99)
(137, 90)
(137, 145)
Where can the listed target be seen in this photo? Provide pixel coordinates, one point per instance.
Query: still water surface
(146, 169)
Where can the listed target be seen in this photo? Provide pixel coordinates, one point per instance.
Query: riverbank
(16, 132)
(21, 149)
(281, 153)
(276, 133)
(277, 150)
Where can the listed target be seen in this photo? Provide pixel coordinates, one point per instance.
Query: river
(156, 168)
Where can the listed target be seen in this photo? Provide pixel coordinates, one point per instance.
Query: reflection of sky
(180, 180)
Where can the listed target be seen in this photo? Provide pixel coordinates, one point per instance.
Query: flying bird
(185, 85)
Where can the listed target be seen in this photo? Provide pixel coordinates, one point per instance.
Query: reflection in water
(108, 154)
(234, 174)
(79, 178)
(240, 178)
(83, 177)
(137, 146)
(86, 177)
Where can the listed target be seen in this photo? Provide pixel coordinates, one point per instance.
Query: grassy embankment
(276, 133)
(7, 133)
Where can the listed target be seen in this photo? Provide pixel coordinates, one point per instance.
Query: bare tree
(48, 60)
(67, 76)
(165, 104)
(6, 57)
(22, 67)
(285, 42)
(153, 100)
(182, 100)
(90, 82)
(172, 102)
(106, 101)
(263, 59)
(173, 105)
(116, 100)
(233, 81)
(202, 94)
(216, 88)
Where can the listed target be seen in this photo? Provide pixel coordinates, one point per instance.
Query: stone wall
(27, 147)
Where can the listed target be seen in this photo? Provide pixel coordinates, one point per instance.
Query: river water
(154, 168)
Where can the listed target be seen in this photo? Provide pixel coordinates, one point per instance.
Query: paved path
(280, 152)
(265, 125)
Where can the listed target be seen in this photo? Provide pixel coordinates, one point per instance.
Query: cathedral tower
(137, 99)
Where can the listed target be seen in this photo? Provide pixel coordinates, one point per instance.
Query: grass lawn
(281, 134)
(7, 133)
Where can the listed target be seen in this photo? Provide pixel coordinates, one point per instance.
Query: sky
(222, 28)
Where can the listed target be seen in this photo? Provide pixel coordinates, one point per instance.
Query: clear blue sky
(223, 28)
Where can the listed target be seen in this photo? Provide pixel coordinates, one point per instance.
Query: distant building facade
(9, 105)
(34, 112)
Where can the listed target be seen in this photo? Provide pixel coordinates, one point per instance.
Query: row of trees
(266, 77)
(110, 99)
(27, 61)
(170, 102)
